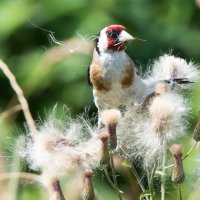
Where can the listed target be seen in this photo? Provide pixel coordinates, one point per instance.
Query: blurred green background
(50, 73)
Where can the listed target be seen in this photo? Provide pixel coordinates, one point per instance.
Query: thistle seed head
(110, 117)
(176, 150)
(196, 133)
(178, 175)
(88, 188)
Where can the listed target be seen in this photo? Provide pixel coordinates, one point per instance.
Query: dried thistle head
(144, 135)
(110, 118)
(178, 175)
(104, 136)
(104, 150)
(89, 173)
(58, 150)
(166, 111)
(170, 67)
(88, 188)
(176, 150)
(54, 153)
(196, 133)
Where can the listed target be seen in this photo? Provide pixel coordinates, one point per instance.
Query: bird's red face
(113, 38)
(113, 33)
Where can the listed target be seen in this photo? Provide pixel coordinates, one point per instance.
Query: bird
(112, 73)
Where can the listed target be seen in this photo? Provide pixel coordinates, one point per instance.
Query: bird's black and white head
(113, 38)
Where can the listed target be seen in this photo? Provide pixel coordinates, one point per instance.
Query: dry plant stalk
(20, 96)
(22, 175)
(10, 111)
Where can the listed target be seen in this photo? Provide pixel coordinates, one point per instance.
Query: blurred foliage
(50, 74)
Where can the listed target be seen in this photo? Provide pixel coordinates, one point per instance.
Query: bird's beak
(124, 36)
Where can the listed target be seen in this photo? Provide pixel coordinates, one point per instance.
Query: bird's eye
(113, 33)
(109, 33)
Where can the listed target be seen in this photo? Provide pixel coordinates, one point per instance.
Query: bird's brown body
(101, 80)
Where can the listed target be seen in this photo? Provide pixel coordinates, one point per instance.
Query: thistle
(178, 175)
(88, 188)
(196, 133)
(174, 71)
(110, 118)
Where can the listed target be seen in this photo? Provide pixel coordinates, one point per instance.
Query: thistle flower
(196, 133)
(88, 189)
(178, 175)
(110, 118)
(174, 70)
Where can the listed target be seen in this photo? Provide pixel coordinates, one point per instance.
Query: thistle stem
(150, 176)
(137, 177)
(179, 192)
(163, 174)
(191, 149)
(134, 171)
(56, 191)
(110, 181)
(113, 174)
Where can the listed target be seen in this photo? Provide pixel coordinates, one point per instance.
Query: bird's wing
(94, 61)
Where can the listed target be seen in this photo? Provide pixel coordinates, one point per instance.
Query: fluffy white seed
(145, 134)
(58, 152)
(111, 116)
(169, 67)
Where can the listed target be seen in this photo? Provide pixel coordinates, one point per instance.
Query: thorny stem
(113, 173)
(187, 154)
(110, 181)
(20, 96)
